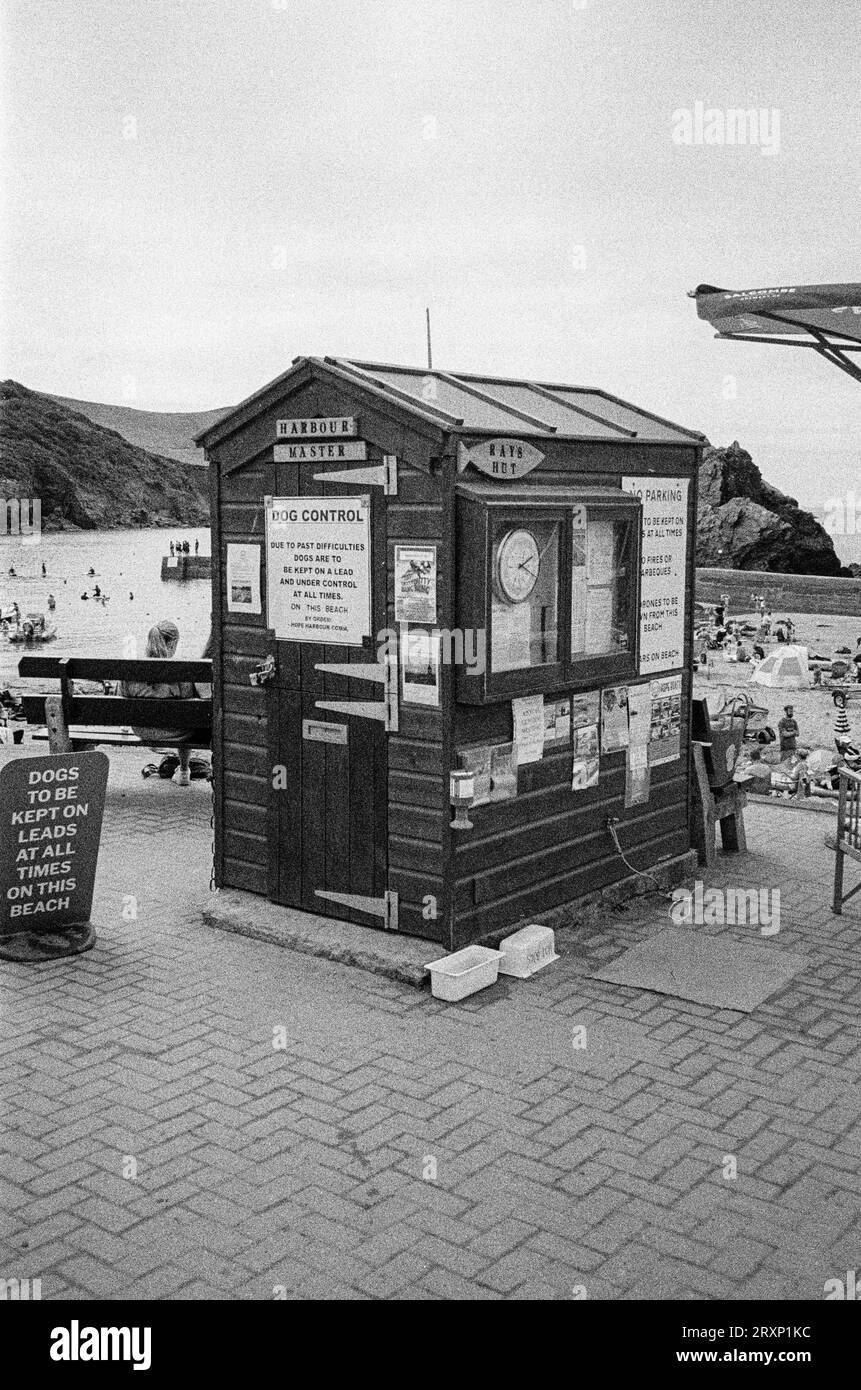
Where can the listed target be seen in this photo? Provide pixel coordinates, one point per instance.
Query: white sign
(243, 578)
(318, 571)
(662, 567)
(320, 427)
(528, 711)
(321, 453)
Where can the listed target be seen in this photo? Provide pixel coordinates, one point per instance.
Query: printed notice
(662, 588)
(50, 824)
(318, 575)
(529, 728)
(243, 578)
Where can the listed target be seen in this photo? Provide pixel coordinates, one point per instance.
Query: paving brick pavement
(155, 1143)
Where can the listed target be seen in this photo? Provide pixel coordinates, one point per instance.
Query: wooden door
(331, 830)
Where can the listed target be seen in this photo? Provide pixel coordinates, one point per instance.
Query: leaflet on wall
(585, 708)
(585, 773)
(614, 719)
(415, 583)
(420, 666)
(243, 578)
(510, 635)
(528, 712)
(637, 775)
(318, 574)
(665, 735)
(586, 741)
(662, 587)
(503, 772)
(557, 722)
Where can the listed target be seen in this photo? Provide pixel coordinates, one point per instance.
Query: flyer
(585, 709)
(665, 736)
(584, 774)
(557, 722)
(243, 578)
(614, 718)
(415, 583)
(318, 571)
(637, 774)
(586, 741)
(420, 666)
(528, 712)
(503, 772)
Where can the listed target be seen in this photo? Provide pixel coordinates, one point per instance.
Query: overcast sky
(200, 190)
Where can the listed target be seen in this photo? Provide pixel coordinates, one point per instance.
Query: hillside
(88, 477)
(744, 523)
(170, 434)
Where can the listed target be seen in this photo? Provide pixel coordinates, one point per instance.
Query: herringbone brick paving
(157, 1144)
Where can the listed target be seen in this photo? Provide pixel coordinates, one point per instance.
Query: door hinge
(385, 907)
(385, 710)
(384, 475)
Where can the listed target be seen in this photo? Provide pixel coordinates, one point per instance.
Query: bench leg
(837, 903)
(732, 833)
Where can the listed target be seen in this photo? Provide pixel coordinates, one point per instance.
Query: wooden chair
(847, 839)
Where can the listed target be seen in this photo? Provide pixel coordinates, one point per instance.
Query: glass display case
(548, 580)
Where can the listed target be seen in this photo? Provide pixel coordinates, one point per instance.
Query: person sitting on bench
(161, 644)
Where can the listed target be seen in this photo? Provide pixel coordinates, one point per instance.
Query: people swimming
(13, 572)
(52, 602)
(90, 572)
(44, 571)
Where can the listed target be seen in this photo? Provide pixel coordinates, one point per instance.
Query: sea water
(127, 568)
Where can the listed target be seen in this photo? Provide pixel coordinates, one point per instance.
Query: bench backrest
(114, 668)
(117, 711)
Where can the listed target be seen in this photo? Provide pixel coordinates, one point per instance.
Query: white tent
(785, 669)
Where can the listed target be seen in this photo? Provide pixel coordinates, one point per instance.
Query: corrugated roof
(489, 403)
(465, 403)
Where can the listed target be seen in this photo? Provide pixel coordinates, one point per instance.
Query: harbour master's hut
(453, 644)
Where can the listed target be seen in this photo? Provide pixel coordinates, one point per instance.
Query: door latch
(264, 673)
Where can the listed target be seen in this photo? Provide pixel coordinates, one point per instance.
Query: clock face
(517, 563)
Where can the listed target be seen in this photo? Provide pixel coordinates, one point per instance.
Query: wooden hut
(452, 644)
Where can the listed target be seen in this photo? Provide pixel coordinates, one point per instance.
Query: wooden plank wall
(550, 845)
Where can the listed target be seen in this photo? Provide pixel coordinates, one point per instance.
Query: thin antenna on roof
(430, 353)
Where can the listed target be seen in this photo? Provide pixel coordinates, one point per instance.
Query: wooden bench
(847, 838)
(69, 720)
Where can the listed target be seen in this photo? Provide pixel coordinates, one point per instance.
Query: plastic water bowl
(527, 950)
(464, 972)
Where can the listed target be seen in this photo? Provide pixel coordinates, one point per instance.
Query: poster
(557, 722)
(318, 569)
(528, 713)
(665, 735)
(637, 774)
(503, 772)
(586, 741)
(662, 591)
(420, 666)
(614, 719)
(578, 581)
(584, 774)
(585, 709)
(477, 761)
(599, 621)
(415, 583)
(243, 578)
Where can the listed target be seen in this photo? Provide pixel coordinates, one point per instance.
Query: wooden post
(703, 817)
(55, 721)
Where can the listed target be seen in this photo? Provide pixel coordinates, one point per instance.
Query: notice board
(50, 825)
(318, 569)
(662, 571)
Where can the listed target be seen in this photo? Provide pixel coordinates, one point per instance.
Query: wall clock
(517, 564)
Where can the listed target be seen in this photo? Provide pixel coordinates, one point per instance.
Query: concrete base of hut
(404, 958)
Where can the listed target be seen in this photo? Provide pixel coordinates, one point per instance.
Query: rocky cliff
(88, 477)
(744, 523)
